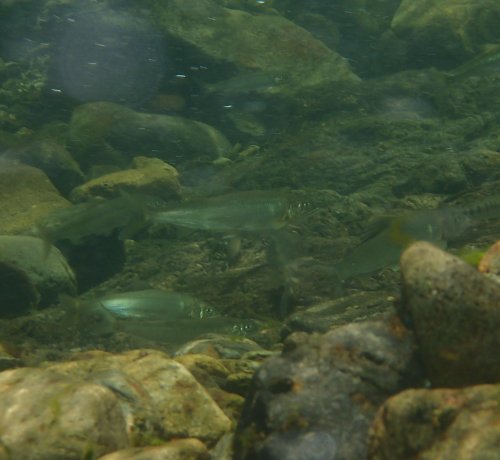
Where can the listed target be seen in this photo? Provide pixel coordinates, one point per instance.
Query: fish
(245, 83)
(152, 314)
(153, 305)
(99, 217)
(438, 226)
(181, 331)
(247, 211)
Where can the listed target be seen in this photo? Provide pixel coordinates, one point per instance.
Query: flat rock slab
(455, 312)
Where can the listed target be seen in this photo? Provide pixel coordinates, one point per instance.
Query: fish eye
(206, 311)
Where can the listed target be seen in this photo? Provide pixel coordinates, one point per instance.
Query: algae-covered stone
(53, 159)
(26, 194)
(455, 312)
(150, 176)
(45, 415)
(44, 269)
(108, 133)
(267, 43)
(453, 29)
(445, 424)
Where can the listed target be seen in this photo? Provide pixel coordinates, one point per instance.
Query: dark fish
(96, 218)
(437, 226)
(245, 83)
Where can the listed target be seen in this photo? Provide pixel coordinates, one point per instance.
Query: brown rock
(455, 311)
(444, 424)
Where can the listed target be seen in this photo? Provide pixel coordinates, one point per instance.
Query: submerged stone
(445, 424)
(35, 273)
(318, 398)
(455, 312)
(108, 133)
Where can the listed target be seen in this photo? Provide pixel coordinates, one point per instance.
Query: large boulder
(317, 400)
(263, 42)
(105, 133)
(452, 29)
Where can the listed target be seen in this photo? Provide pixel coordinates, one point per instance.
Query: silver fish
(249, 211)
(154, 305)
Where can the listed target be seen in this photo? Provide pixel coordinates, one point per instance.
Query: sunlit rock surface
(47, 415)
(150, 176)
(26, 194)
(181, 407)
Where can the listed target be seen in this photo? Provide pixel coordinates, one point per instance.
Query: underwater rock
(34, 270)
(449, 424)
(321, 394)
(480, 164)
(150, 176)
(26, 194)
(17, 293)
(45, 414)
(455, 312)
(178, 405)
(53, 159)
(453, 29)
(108, 133)
(8, 360)
(260, 43)
(180, 449)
